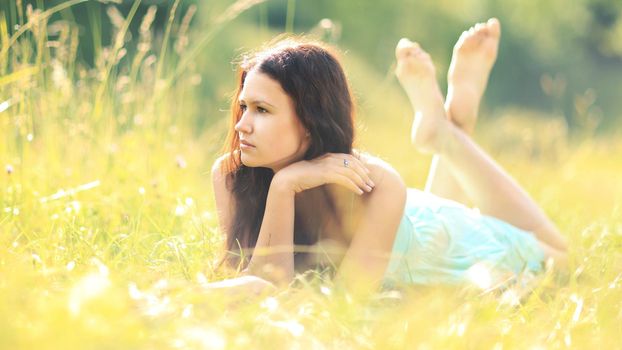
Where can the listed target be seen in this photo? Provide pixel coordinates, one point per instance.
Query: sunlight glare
(479, 274)
(88, 288)
(292, 326)
(180, 210)
(270, 304)
(5, 105)
(510, 297)
(203, 338)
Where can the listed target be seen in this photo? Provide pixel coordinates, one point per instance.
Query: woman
(290, 176)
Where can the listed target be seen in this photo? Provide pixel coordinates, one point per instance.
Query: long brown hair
(310, 73)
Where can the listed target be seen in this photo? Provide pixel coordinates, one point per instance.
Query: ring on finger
(346, 163)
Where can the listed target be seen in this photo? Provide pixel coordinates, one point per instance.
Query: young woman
(291, 177)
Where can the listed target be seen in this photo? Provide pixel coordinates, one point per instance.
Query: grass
(107, 225)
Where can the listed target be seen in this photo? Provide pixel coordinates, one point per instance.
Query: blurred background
(116, 77)
(557, 59)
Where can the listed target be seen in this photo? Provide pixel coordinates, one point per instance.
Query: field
(108, 228)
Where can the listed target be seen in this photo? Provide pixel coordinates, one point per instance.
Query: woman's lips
(245, 144)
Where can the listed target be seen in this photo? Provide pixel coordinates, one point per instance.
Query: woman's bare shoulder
(380, 169)
(389, 194)
(221, 166)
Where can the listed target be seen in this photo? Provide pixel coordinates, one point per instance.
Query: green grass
(108, 231)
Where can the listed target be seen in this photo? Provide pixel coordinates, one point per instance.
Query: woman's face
(269, 124)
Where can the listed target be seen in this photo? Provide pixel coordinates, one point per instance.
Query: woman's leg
(473, 57)
(490, 188)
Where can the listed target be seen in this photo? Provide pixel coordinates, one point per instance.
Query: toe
(404, 48)
(494, 27)
(403, 42)
(461, 40)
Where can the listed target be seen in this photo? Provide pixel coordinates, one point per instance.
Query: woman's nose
(243, 125)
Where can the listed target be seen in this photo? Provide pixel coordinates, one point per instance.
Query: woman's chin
(248, 162)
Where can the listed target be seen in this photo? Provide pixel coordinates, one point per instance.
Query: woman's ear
(306, 141)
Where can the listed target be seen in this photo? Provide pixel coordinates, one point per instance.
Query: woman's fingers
(355, 171)
(356, 165)
(355, 177)
(347, 182)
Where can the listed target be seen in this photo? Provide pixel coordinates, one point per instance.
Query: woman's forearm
(273, 256)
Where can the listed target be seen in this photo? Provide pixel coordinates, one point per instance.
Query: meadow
(108, 228)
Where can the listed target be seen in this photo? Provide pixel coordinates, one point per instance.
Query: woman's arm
(273, 255)
(277, 228)
(225, 207)
(222, 195)
(365, 263)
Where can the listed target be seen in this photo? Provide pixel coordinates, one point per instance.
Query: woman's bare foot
(473, 57)
(416, 72)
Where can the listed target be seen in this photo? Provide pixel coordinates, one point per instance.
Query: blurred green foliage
(560, 58)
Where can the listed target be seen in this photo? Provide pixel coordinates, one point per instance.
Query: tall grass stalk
(291, 13)
(218, 24)
(167, 34)
(35, 21)
(119, 42)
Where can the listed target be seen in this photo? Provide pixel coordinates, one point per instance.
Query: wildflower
(326, 24)
(180, 210)
(9, 169)
(181, 162)
(187, 311)
(36, 259)
(189, 201)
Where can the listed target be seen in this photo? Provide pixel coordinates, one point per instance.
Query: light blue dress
(440, 241)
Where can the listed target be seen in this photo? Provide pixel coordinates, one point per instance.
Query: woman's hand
(243, 284)
(338, 168)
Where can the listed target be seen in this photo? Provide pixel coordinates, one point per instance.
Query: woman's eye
(261, 110)
(242, 107)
